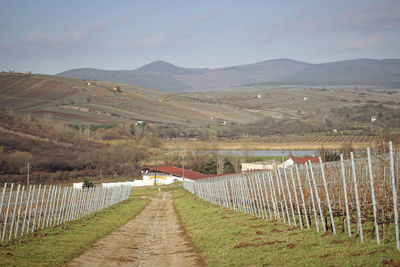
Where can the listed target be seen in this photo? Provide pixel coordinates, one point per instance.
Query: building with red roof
(168, 174)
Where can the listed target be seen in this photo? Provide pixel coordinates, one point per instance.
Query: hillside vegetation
(249, 111)
(58, 152)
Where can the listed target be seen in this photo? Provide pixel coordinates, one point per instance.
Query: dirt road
(154, 237)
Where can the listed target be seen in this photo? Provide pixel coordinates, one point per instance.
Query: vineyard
(355, 196)
(318, 138)
(24, 210)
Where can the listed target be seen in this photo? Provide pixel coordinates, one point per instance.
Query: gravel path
(155, 237)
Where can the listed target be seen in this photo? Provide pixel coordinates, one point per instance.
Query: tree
(87, 183)
(228, 167)
(210, 167)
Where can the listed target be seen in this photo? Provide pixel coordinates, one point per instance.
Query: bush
(87, 183)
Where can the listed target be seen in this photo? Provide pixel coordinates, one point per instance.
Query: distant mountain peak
(169, 77)
(163, 67)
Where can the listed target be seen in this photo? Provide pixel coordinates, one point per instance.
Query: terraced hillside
(98, 102)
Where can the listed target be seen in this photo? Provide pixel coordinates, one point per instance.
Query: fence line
(25, 210)
(356, 196)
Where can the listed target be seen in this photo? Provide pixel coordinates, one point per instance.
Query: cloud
(152, 41)
(204, 16)
(122, 20)
(98, 26)
(71, 36)
(263, 38)
(36, 37)
(385, 15)
(351, 43)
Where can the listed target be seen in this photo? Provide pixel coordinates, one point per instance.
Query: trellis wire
(23, 211)
(349, 194)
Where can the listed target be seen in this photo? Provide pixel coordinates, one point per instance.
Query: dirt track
(154, 237)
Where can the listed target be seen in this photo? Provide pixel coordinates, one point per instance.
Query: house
(117, 89)
(258, 96)
(305, 98)
(373, 118)
(262, 165)
(299, 161)
(77, 185)
(167, 175)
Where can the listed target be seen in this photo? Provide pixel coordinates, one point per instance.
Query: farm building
(263, 165)
(168, 174)
(299, 161)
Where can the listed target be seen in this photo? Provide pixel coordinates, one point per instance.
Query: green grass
(54, 247)
(151, 191)
(229, 238)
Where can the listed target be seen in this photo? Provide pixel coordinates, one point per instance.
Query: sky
(51, 36)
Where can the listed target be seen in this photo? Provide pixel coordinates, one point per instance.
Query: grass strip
(55, 246)
(229, 238)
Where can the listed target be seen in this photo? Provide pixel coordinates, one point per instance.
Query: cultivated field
(277, 143)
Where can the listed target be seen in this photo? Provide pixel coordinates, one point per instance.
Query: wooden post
(41, 207)
(26, 210)
(261, 193)
(14, 212)
(371, 179)
(317, 196)
(2, 199)
(290, 197)
(281, 191)
(312, 199)
(266, 195)
(327, 195)
(345, 196)
(356, 195)
(394, 193)
(274, 198)
(30, 208)
(19, 211)
(302, 197)
(296, 199)
(6, 217)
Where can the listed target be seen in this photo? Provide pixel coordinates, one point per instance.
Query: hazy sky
(50, 36)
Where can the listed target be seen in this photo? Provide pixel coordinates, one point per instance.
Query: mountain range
(165, 76)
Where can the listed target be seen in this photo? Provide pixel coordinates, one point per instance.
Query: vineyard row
(24, 210)
(355, 196)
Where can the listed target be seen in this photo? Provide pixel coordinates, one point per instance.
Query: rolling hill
(80, 101)
(168, 77)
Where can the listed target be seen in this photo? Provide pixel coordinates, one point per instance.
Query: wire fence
(355, 196)
(24, 210)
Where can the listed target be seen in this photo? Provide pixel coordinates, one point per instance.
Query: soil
(154, 237)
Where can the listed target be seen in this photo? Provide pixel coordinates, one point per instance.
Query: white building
(299, 161)
(167, 175)
(263, 165)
